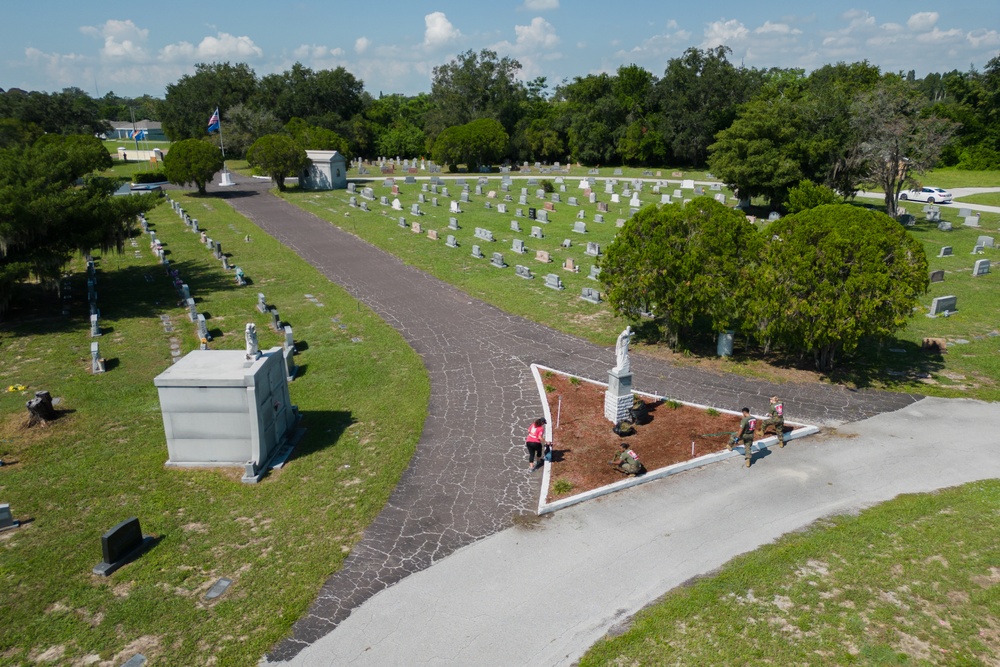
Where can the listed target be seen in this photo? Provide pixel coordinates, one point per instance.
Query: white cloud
(439, 31)
(777, 29)
(314, 52)
(539, 34)
(727, 33)
(983, 37)
(922, 21)
(122, 39)
(223, 46)
(935, 36)
(361, 44)
(541, 5)
(858, 19)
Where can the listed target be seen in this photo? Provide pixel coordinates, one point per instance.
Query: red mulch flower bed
(584, 443)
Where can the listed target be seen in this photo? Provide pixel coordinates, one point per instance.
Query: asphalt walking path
(468, 480)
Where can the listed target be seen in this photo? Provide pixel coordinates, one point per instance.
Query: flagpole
(222, 143)
(134, 138)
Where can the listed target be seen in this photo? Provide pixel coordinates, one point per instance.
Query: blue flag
(138, 135)
(213, 122)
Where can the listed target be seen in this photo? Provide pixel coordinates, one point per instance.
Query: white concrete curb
(800, 431)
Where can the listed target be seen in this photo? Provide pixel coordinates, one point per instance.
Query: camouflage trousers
(779, 427)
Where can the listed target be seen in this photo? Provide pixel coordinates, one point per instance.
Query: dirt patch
(584, 443)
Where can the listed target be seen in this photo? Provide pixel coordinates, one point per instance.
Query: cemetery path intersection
(467, 479)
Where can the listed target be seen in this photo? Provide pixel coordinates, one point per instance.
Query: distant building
(122, 130)
(327, 171)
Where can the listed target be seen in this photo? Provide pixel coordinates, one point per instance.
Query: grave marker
(96, 362)
(497, 261)
(120, 545)
(450, 242)
(571, 266)
(476, 252)
(523, 272)
(536, 232)
(945, 251)
(484, 234)
(591, 295)
(432, 234)
(515, 226)
(542, 256)
(453, 223)
(593, 249)
(261, 303)
(7, 519)
(518, 246)
(943, 304)
(553, 281)
(595, 272)
(937, 276)
(980, 268)
(192, 310)
(203, 329)
(415, 210)
(580, 227)
(416, 229)
(598, 217)
(985, 241)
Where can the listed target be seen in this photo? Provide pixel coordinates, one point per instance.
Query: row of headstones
(551, 280)
(97, 362)
(980, 268)
(288, 344)
(982, 243)
(214, 246)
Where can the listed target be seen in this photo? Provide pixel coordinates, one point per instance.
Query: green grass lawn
(914, 581)
(363, 403)
(985, 199)
(950, 177)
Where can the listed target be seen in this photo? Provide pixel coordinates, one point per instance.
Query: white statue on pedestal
(253, 348)
(621, 351)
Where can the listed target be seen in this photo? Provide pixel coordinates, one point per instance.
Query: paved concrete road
(467, 479)
(542, 593)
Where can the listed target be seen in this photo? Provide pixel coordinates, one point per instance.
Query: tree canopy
(47, 213)
(832, 276)
(192, 161)
(277, 156)
(474, 144)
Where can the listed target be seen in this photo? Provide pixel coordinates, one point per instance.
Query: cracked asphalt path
(467, 479)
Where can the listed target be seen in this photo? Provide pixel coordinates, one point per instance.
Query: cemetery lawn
(985, 199)
(911, 581)
(584, 443)
(363, 405)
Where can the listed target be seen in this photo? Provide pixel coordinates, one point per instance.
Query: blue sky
(138, 47)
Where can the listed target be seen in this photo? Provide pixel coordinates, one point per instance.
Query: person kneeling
(628, 462)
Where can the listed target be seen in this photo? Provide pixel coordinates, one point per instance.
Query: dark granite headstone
(120, 545)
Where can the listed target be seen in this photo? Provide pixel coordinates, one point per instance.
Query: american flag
(213, 122)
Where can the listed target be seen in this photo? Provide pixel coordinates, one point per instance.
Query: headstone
(383, 200)
(580, 227)
(943, 304)
(556, 198)
(532, 213)
(96, 362)
(634, 202)
(203, 328)
(517, 246)
(6, 518)
(515, 226)
(678, 194)
(598, 217)
(593, 249)
(687, 184)
(276, 321)
(595, 272)
(523, 272)
(615, 199)
(444, 191)
(964, 212)
(497, 261)
(95, 329)
(410, 180)
(972, 220)
(120, 545)
(261, 303)
(985, 241)
(501, 208)
(977, 250)
(454, 207)
(944, 226)
(540, 193)
(567, 243)
(542, 256)
(484, 234)
(945, 251)
(618, 172)
(415, 209)
(581, 214)
(450, 242)
(432, 234)
(479, 190)
(522, 200)
(572, 201)
(476, 252)
(570, 265)
(934, 216)
(192, 310)
(464, 197)
(453, 223)
(421, 199)
(353, 201)
(981, 267)
(553, 281)
(536, 232)
(416, 228)
(402, 222)
(591, 294)
(602, 207)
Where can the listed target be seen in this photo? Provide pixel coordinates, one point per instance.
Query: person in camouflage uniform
(748, 425)
(627, 461)
(775, 419)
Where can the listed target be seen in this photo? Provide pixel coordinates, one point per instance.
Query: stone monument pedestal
(618, 397)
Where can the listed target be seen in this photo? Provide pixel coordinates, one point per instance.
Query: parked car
(929, 195)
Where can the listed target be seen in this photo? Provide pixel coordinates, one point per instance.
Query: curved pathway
(468, 479)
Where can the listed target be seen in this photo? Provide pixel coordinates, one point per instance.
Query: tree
(832, 276)
(315, 138)
(52, 205)
(477, 143)
(277, 156)
(246, 124)
(71, 111)
(683, 262)
(191, 100)
(809, 195)
(192, 161)
(475, 86)
(332, 95)
(896, 140)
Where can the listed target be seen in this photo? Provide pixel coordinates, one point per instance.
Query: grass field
(363, 404)
(914, 581)
(986, 199)
(969, 369)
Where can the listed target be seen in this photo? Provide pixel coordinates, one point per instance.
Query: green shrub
(672, 404)
(575, 381)
(562, 486)
(547, 185)
(549, 389)
(712, 412)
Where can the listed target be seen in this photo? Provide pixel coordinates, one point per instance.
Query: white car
(929, 195)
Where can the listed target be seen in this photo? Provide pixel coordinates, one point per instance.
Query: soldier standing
(775, 419)
(747, 427)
